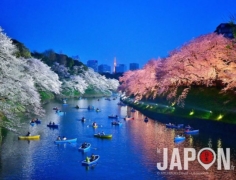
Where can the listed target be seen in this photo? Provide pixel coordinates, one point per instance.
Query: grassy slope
(204, 103)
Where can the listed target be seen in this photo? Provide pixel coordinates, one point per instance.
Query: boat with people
(58, 111)
(84, 147)
(129, 118)
(191, 131)
(89, 161)
(103, 136)
(178, 126)
(113, 117)
(90, 107)
(116, 123)
(66, 141)
(35, 137)
(52, 125)
(121, 104)
(55, 108)
(179, 138)
(32, 123)
(37, 121)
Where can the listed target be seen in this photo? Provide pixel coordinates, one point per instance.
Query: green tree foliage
(22, 51)
(50, 57)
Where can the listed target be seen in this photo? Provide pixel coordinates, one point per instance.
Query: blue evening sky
(130, 30)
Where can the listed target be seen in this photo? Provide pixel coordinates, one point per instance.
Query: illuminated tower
(114, 69)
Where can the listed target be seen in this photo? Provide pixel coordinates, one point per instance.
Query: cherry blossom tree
(45, 79)
(16, 87)
(75, 83)
(99, 82)
(209, 60)
(20, 80)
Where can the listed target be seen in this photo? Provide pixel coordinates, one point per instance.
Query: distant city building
(104, 68)
(133, 66)
(120, 68)
(114, 65)
(93, 64)
(226, 29)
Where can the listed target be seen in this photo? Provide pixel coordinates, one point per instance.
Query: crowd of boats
(186, 130)
(86, 146)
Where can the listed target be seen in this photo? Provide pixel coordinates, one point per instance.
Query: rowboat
(116, 123)
(29, 137)
(187, 131)
(38, 121)
(66, 141)
(32, 123)
(113, 117)
(60, 113)
(178, 126)
(121, 104)
(179, 138)
(85, 148)
(85, 163)
(52, 125)
(90, 107)
(107, 136)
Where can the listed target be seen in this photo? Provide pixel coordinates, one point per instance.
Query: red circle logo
(206, 156)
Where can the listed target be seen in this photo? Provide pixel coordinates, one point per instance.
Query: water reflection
(134, 150)
(154, 138)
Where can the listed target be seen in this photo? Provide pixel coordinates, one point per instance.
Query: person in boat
(64, 138)
(33, 120)
(92, 157)
(97, 109)
(50, 123)
(87, 159)
(28, 134)
(77, 106)
(102, 133)
(94, 124)
(58, 138)
(188, 127)
(116, 116)
(84, 145)
(53, 123)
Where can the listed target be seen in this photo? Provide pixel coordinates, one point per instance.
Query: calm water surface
(131, 153)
